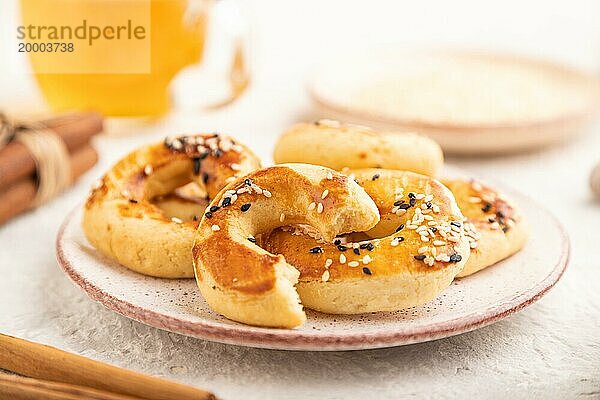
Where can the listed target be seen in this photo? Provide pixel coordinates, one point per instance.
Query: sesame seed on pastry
(249, 284)
(131, 215)
(494, 225)
(407, 259)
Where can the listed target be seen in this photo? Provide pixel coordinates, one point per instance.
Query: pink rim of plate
(289, 339)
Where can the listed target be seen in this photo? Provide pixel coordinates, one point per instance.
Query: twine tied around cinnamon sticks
(40, 159)
(49, 153)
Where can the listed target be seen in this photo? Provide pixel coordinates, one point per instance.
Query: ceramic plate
(468, 304)
(399, 89)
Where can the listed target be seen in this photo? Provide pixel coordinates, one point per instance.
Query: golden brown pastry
(129, 216)
(337, 146)
(415, 251)
(245, 282)
(496, 228)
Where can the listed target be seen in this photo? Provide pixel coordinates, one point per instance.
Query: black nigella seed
(455, 257)
(196, 161)
(398, 229)
(363, 246)
(247, 182)
(500, 214)
(208, 214)
(356, 251)
(203, 155)
(487, 207)
(505, 229)
(491, 220)
(337, 242)
(434, 229)
(375, 177)
(251, 239)
(370, 246)
(205, 178)
(217, 153)
(342, 247)
(404, 206)
(397, 203)
(226, 202)
(213, 208)
(428, 204)
(316, 250)
(245, 207)
(367, 271)
(195, 218)
(399, 239)
(420, 257)
(411, 195)
(412, 202)
(133, 201)
(456, 224)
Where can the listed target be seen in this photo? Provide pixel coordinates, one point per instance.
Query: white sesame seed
(420, 196)
(367, 259)
(235, 280)
(176, 220)
(266, 193)
(342, 259)
(328, 262)
(476, 186)
(429, 261)
(125, 193)
(236, 167)
(423, 249)
(148, 169)
(329, 175)
(353, 264)
(215, 228)
(424, 239)
(325, 276)
(429, 197)
(394, 242)
(237, 148)
(401, 211)
(312, 206)
(324, 194)
(474, 199)
(439, 243)
(282, 217)
(320, 208)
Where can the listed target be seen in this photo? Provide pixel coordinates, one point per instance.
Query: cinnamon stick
(18, 387)
(48, 363)
(19, 197)
(74, 129)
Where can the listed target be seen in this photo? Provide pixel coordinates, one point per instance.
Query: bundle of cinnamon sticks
(18, 182)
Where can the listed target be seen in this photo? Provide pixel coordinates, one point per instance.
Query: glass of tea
(119, 57)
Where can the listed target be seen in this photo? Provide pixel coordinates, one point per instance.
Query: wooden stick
(48, 363)
(74, 129)
(18, 387)
(19, 197)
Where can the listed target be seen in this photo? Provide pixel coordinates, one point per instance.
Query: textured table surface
(549, 350)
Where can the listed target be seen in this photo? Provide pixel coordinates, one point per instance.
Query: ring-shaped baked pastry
(245, 282)
(407, 259)
(122, 220)
(337, 146)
